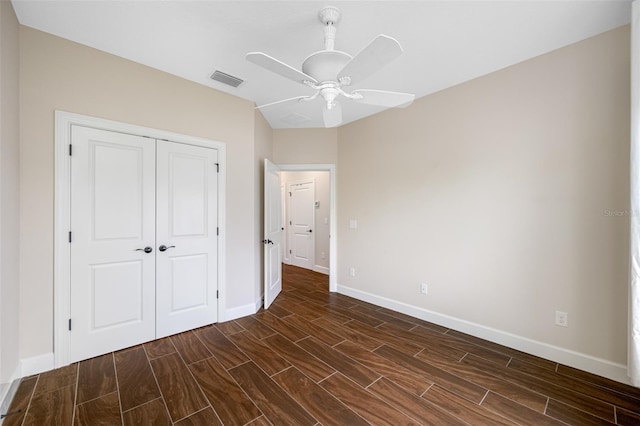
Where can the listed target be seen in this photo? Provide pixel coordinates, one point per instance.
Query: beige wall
(9, 187)
(322, 182)
(305, 146)
(56, 74)
(499, 193)
(264, 150)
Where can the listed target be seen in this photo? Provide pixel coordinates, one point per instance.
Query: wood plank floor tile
(417, 321)
(386, 319)
(287, 330)
(364, 319)
(339, 361)
(316, 400)
(413, 406)
(463, 409)
(513, 353)
(190, 347)
(96, 377)
(20, 402)
(448, 345)
(598, 380)
(264, 357)
(383, 366)
(613, 397)
(152, 413)
(516, 412)
(314, 330)
(222, 348)
(480, 377)
(228, 400)
(301, 359)
(449, 381)
(51, 408)
(387, 337)
(104, 410)
(56, 379)
(260, 421)
(205, 417)
(279, 311)
(255, 327)
(160, 347)
(367, 405)
(136, 382)
(229, 327)
(179, 390)
(358, 338)
(278, 406)
(572, 415)
(568, 396)
(627, 418)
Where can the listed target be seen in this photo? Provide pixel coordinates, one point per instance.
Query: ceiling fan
(330, 71)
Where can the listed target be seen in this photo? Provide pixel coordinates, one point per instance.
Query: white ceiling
(445, 42)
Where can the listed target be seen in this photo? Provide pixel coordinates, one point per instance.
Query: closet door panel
(112, 221)
(187, 270)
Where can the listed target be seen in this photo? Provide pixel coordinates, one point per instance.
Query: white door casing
(301, 223)
(113, 217)
(272, 233)
(186, 237)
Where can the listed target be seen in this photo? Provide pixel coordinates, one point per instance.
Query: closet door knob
(164, 248)
(147, 249)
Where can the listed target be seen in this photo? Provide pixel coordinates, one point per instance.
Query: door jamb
(333, 240)
(62, 214)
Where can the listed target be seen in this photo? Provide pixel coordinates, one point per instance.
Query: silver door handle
(147, 249)
(164, 248)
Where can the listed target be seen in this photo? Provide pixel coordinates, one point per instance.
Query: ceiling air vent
(226, 79)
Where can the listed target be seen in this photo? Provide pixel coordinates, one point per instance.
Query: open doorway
(276, 207)
(306, 219)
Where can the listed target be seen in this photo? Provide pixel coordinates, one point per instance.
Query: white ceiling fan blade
(382, 50)
(384, 98)
(332, 117)
(283, 101)
(278, 67)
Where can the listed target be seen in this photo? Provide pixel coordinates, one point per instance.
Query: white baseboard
(37, 364)
(240, 311)
(321, 269)
(599, 366)
(8, 390)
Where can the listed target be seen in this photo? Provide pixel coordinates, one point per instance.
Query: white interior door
(113, 220)
(301, 223)
(186, 237)
(272, 233)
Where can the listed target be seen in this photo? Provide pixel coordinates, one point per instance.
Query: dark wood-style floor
(321, 358)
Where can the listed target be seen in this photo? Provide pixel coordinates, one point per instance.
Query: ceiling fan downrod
(329, 16)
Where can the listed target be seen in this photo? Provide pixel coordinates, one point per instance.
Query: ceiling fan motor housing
(325, 65)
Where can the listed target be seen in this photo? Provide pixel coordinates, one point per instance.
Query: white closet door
(112, 221)
(187, 270)
(302, 216)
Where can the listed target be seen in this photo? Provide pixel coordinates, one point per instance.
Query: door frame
(62, 214)
(333, 234)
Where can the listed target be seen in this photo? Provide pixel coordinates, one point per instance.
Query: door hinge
(217, 294)
(290, 223)
(69, 324)
(289, 251)
(217, 167)
(69, 236)
(217, 231)
(290, 194)
(70, 150)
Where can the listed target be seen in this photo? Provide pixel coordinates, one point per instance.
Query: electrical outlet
(562, 319)
(423, 288)
(352, 271)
